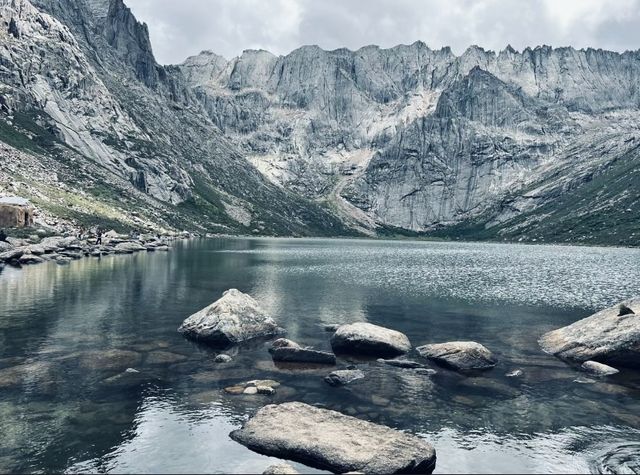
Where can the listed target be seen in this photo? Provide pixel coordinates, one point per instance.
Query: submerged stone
(599, 369)
(329, 440)
(459, 355)
(343, 376)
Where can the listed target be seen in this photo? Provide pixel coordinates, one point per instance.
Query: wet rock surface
(599, 369)
(333, 441)
(343, 376)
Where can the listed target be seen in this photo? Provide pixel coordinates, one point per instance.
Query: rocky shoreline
(19, 252)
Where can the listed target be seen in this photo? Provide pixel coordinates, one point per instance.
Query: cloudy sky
(183, 28)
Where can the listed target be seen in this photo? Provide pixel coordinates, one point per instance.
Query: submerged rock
(222, 358)
(164, 357)
(110, 359)
(401, 363)
(257, 386)
(598, 368)
(289, 351)
(516, 373)
(459, 355)
(280, 469)
(234, 318)
(366, 338)
(343, 376)
(333, 441)
(607, 337)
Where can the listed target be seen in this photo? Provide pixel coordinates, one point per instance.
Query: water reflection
(68, 334)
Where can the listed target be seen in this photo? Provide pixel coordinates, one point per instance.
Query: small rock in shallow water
(598, 368)
(400, 363)
(459, 355)
(425, 371)
(265, 390)
(284, 343)
(263, 382)
(516, 373)
(343, 376)
(369, 339)
(250, 390)
(302, 355)
(222, 358)
(583, 380)
(234, 389)
(280, 469)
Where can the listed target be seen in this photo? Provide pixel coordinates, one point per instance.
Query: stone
(401, 363)
(331, 327)
(605, 337)
(250, 390)
(12, 254)
(129, 247)
(280, 469)
(598, 368)
(109, 359)
(329, 440)
(263, 382)
(425, 371)
(459, 355)
(343, 376)
(15, 212)
(284, 343)
(30, 259)
(63, 260)
(516, 373)
(369, 339)
(234, 318)
(296, 354)
(234, 389)
(222, 358)
(268, 390)
(164, 357)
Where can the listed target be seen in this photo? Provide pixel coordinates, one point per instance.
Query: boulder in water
(333, 441)
(366, 338)
(459, 355)
(234, 318)
(289, 351)
(343, 376)
(606, 337)
(598, 369)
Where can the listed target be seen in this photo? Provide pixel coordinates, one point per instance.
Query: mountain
(416, 141)
(97, 132)
(539, 145)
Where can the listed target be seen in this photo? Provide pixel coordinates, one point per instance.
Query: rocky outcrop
(233, 318)
(332, 441)
(605, 337)
(599, 369)
(459, 355)
(369, 339)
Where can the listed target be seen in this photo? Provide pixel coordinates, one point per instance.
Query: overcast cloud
(182, 28)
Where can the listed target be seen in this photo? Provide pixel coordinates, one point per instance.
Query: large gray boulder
(611, 336)
(459, 355)
(235, 317)
(366, 338)
(332, 441)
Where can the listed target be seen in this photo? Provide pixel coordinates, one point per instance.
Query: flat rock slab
(302, 355)
(234, 318)
(332, 441)
(459, 355)
(369, 339)
(607, 337)
(598, 368)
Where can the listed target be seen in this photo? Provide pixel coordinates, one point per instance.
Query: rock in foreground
(280, 469)
(332, 441)
(459, 355)
(369, 339)
(599, 369)
(611, 336)
(233, 318)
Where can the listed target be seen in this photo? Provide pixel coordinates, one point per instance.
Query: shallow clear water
(61, 409)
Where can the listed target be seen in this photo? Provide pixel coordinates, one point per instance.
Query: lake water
(68, 332)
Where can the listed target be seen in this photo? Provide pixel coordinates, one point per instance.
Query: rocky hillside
(414, 140)
(97, 132)
(538, 145)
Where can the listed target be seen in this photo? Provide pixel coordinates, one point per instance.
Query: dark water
(63, 330)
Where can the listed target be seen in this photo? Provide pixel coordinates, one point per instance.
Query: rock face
(234, 318)
(333, 441)
(605, 337)
(15, 213)
(366, 338)
(459, 355)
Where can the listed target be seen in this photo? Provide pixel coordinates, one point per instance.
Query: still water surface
(67, 333)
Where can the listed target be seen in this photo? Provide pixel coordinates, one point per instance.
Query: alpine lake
(69, 333)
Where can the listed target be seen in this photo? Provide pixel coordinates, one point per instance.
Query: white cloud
(180, 29)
